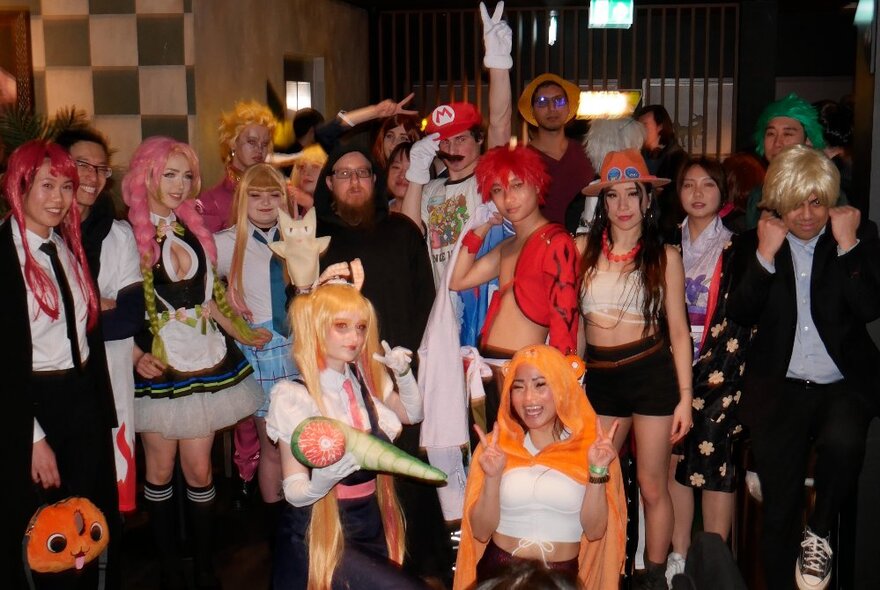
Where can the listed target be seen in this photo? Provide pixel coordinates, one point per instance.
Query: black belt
(807, 384)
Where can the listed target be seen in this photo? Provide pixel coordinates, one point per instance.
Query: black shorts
(634, 378)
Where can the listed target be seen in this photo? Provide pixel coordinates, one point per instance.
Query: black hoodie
(398, 277)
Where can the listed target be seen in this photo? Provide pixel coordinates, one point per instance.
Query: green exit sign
(611, 14)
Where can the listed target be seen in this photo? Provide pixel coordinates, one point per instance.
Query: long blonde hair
(310, 317)
(262, 177)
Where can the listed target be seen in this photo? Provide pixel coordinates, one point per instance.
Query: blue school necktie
(276, 282)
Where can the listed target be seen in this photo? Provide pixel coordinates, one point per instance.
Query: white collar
(156, 219)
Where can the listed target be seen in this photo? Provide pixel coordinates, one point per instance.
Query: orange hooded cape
(600, 562)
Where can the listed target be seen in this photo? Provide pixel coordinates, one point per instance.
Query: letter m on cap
(443, 115)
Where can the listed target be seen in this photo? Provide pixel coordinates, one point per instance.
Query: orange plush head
(65, 535)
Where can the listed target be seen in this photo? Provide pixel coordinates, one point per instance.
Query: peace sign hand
(389, 108)
(603, 452)
(497, 37)
(492, 460)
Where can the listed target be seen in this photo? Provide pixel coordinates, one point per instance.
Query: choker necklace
(606, 250)
(233, 174)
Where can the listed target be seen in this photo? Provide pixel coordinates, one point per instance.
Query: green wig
(797, 108)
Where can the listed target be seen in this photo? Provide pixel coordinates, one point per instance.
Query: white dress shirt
(255, 277)
(49, 343)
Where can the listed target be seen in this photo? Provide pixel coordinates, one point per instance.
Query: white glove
(497, 37)
(421, 157)
(398, 359)
(301, 491)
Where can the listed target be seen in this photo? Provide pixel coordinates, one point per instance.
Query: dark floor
(241, 550)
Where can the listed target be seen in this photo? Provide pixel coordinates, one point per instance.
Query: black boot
(654, 577)
(201, 505)
(163, 522)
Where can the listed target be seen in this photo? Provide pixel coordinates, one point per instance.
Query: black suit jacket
(844, 296)
(18, 414)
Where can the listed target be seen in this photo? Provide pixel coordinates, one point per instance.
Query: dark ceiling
(786, 6)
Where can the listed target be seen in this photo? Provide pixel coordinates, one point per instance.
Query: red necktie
(353, 408)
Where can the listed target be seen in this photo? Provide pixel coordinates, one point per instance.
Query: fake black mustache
(449, 157)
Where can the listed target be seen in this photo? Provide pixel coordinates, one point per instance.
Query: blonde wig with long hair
(310, 317)
(232, 123)
(261, 177)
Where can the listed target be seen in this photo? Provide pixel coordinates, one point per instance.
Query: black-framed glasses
(83, 166)
(558, 101)
(349, 173)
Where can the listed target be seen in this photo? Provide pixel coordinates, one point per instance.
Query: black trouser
(66, 406)
(833, 420)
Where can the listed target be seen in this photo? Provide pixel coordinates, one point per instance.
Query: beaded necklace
(606, 250)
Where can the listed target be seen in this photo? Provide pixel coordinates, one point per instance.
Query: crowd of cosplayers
(449, 360)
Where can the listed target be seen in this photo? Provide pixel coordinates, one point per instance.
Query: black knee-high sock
(201, 505)
(163, 522)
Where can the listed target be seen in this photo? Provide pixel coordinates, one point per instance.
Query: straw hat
(525, 99)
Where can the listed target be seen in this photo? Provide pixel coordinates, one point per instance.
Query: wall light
(299, 95)
(551, 29)
(597, 104)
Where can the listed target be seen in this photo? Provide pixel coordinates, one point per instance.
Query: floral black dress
(718, 374)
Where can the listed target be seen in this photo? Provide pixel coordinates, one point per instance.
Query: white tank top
(540, 504)
(613, 297)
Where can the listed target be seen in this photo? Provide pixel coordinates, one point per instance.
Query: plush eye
(56, 543)
(96, 532)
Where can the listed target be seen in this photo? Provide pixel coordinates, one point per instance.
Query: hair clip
(577, 365)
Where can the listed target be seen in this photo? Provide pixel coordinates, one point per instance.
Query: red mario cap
(453, 118)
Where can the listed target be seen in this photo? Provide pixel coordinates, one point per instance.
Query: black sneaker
(813, 568)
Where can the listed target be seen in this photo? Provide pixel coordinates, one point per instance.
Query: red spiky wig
(497, 164)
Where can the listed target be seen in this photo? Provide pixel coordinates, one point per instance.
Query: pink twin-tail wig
(497, 164)
(17, 183)
(142, 183)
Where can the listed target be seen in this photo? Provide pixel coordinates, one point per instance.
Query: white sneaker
(753, 484)
(813, 568)
(674, 565)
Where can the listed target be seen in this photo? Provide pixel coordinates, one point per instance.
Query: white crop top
(540, 504)
(614, 296)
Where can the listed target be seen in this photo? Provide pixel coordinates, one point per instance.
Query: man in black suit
(812, 370)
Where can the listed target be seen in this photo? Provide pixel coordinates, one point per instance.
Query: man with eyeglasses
(114, 265)
(352, 209)
(547, 104)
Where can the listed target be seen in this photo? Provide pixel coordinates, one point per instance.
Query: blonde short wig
(797, 173)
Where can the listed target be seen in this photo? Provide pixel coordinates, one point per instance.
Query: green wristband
(600, 471)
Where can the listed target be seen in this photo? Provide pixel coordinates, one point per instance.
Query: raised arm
(421, 157)
(329, 134)
(498, 40)
(485, 514)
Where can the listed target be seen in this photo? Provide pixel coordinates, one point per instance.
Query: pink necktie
(353, 408)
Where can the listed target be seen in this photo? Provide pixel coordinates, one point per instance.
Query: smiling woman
(257, 291)
(58, 427)
(549, 462)
(191, 381)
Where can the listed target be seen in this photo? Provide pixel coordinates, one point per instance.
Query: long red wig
(17, 183)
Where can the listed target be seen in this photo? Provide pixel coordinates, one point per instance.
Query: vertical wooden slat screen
(681, 56)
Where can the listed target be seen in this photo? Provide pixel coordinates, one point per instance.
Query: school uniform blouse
(51, 348)
(255, 277)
